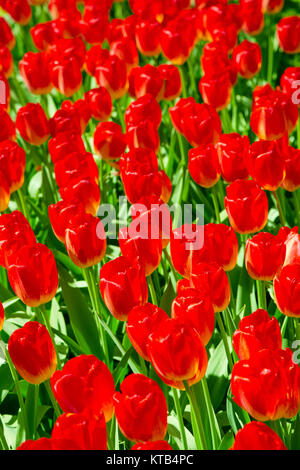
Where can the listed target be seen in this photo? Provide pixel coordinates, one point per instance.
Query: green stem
(296, 206)
(168, 257)
(43, 318)
(261, 294)
(120, 115)
(152, 291)
(180, 418)
(192, 76)
(216, 204)
(224, 338)
(21, 203)
(57, 410)
(279, 207)
(214, 426)
(270, 51)
(183, 81)
(198, 429)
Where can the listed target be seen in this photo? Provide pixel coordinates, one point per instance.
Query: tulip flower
(256, 332)
(109, 141)
(44, 34)
(100, 103)
(68, 49)
(76, 166)
(4, 193)
(123, 286)
(267, 385)
(32, 274)
(221, 245)
(177, 40)
(60, 215)
(232, 150)
(126, 50)
(64, 144)
(172, 81)
(85, 240)
(32, 123)
(247, 206)
(35, 71)
(213, 279)
(257, 436)
(287, 289)
(264, 256)
(112, 75)
(144, 135)
(272, 6)
(204, 165)
(177, 353)
(45, 443)
(7, 126)
(266, 165)
(84, 382)
(147, 35)
(15, 232)
(84, 430)
(156, 445)
(12, 164)
(291, 180)
(288, 34)
(142, 109)
(187, 246)
(141, 409)
(146, 80)
(66, 76)
(194, 307)
(216, 90)
(85, 191)
(141, 322)
(247, 58)
(252, 15)
(7, 38)
(2, 316)
(6, 61)
(289, 83)
(32, 352)
(215, 61)
(57, 6)
(19, 10)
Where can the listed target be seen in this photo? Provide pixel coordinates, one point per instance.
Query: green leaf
(217, 375)
(227, 441)
(167, 298)
(236, 415)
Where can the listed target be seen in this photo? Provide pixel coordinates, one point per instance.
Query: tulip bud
(194, 307)
(12, 164)
(84, 382)
(32, 123)
(7, 126)
(147, 35)
(112, 75)
(6, 61)
(264, 256)
(204, 166)
(126, 50)
(32, 352)
(7, 38)
(266, 165)
(85, 191)
(146, 80)
(256, 332)
(177, 353)
(142, 109)
(68, 49)
(222, 245)
(123, 286)
(100, 103)
(252, 15)
(267, 385)
(44, 34)
(64, 144)
(144, 135)
(172, 81)
(247, 206)
(76, 166)
(232, 152)
(109, 141)
(84, 430)
(247, 58)
(19, 10)
(216, 90)
(141, 409)
(177, 40)
(141, 322)
(187, 246)
(257, 436)
(85, 240)
(287, 290)
(33, 274)
(34, 69)
(66, 76)
(288, 34)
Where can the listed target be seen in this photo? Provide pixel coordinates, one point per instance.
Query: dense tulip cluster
(154, 328)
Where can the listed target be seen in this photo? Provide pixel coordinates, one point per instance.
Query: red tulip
(76, 166)
(147, 36)
(72, 118)
(177, 353)
(257, 436)
(84, 430)
(45, 443)
(221, 244)
(32, 352)
(264, 256)
(126, 50)
(215, 61)
(266, 165)
(7, 38)
(144, 135)
(232, 152)
(6, 61)
(204, 165)
(212, 278)
(32, 274)
(267, 385)
(143, 109)
(172, 81)
(68, 49)
(85, 191)
(64, 144)
(247, 58)
(256, 332)
(7, 126)
(15, 231)
(123, 286)
(109, 141)
(19, 10)
(60, 215)
(32, 123)
(94, 29)
(187, 246)
(287, 290)
(100, 103)
(45, 34)
(288, 34)
(156, 445)
(85, 240)
(138, 245)
(272, 6)
(146, 80)
(141, 409)
(291, 158)
(84, 382)
(57, 6)
(2, 316)
(216, 91)
(12, 164)
(194, 307)
(4, 193)
(141, 322)
(66, 76)
(252, 15)
(34, 69)
(273, 114)
(247, 206)
(289, 83)
(112, 75)
(177, 40)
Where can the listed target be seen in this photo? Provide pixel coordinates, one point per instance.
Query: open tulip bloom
(149, 225)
